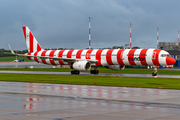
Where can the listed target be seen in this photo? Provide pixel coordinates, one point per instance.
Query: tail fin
(31, 42)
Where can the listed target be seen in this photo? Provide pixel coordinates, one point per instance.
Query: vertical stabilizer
(31, 42)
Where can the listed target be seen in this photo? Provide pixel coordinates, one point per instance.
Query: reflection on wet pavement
(76, 102)
(53, 108)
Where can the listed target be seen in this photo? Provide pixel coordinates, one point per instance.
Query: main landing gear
(95, 71)
(75, 72)
(155, 71)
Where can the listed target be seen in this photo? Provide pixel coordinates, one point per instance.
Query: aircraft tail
(31, 42)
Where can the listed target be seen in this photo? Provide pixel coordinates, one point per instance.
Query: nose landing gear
(155, 71)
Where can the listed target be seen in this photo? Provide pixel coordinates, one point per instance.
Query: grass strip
(12, 58)
(102, 70)
(138, 82)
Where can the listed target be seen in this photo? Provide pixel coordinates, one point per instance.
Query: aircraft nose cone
(170, 61)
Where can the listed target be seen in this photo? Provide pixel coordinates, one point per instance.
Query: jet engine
(81, 65)
(116, 67)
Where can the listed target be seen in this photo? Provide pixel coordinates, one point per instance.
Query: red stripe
(38, 47)
(52, 55)
(78, 55)
(108, 56)
(69, 53)
(98, 57)
(31, 41)
(43, 54)
(24, 30)
(35, 58)
(88, 54)
(29, 57)
(143, 57)
(156, 60)
(131, 57)
(119, 56)
(60, 55)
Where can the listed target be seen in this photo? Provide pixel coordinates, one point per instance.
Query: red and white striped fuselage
(82, 60)
(105, 57)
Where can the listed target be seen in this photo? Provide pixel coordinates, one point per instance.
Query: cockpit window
(165, 55)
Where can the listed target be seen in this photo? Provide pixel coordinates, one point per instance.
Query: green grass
(165, 83)
(12, 58)
(101, 70)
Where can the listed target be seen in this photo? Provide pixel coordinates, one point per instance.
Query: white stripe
(83, 54)
(34, 44)
(64, 55)
(125, 57)
(27, 38)
(114, 56)
(47, 54)
(149, 57)
(73, 55)
(93, 53)
(39, 54)
(103, 57)
(56, 54)
(162, 60)
(137, 52)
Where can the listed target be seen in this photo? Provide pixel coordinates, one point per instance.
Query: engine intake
(116, 67)
(81, 65)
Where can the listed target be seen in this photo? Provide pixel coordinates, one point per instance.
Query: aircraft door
(121, 56)
(154, 55)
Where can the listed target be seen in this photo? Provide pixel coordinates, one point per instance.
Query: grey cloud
(64, 23)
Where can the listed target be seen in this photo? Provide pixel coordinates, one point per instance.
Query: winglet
(11, 49)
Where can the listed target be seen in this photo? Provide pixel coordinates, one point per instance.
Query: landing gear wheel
(94, 71)
(155, 71)
(75, 72)
(154, 74)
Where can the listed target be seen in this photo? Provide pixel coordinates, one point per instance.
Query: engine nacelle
(116, 67)
(81, 65)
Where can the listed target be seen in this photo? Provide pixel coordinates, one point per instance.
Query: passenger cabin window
(165, 55)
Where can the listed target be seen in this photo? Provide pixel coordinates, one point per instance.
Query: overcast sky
(65, 23)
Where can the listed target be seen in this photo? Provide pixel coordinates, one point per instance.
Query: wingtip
(11, 49)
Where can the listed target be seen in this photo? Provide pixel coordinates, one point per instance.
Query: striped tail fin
(31, 42)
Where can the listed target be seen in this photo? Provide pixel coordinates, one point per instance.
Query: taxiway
(100, 74)
(39, 65)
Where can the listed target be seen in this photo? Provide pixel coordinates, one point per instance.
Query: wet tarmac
(39, 65)
(39, 101)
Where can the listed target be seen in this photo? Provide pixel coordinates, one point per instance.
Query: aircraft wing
(54, 58)
(60, 58)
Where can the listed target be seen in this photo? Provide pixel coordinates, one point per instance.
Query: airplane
(83, 59)
(19, 60)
